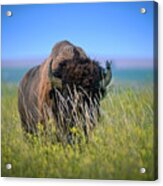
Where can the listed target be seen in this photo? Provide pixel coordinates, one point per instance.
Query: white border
(58, 1)
(56, 182)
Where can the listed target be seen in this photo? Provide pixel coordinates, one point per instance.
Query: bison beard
(70, 93)
(80, 94)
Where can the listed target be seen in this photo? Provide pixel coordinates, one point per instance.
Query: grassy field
(119, 146)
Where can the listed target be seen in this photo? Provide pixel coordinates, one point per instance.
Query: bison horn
(107, 75)
(50, 72)
(55, 81)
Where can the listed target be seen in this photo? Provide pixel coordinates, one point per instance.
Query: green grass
(119, 146)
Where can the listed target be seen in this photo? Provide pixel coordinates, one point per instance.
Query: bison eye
(57, 73)
(51, 93)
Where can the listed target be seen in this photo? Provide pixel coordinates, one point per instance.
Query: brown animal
(67, 73)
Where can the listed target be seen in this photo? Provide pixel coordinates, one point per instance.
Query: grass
(119, 146)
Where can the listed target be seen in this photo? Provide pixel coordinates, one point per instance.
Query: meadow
(119, 146)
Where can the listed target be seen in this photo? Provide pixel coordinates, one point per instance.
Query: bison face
(77, 86)
(81, 73)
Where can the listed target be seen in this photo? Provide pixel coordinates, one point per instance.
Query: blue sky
(117, 30)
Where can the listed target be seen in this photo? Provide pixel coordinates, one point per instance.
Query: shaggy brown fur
(37, 100)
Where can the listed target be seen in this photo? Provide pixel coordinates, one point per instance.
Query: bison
(65, 88)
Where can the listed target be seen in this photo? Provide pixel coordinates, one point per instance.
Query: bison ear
(106, 76)
(108, 65)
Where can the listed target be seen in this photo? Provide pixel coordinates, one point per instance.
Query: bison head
(77, 86)
(82, 73)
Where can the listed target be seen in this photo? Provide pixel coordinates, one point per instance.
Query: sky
(113, 30)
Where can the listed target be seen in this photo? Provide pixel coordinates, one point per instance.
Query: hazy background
(113, 31)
